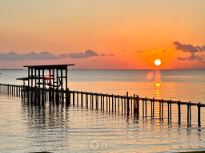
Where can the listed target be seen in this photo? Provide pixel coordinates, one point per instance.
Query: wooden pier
(42, 89)
(125, 105)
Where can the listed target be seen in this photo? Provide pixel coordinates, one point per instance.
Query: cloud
(111, 54)
(12, 56)
(188, 48)
(191, 58)
(138, 52)
(88, 53)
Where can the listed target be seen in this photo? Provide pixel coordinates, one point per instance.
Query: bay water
(77, 129)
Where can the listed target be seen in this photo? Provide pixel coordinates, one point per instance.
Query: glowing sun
(157, 62)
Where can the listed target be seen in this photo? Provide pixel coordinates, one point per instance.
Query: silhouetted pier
(49, 87)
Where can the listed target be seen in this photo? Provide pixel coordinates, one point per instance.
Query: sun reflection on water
(157, 83)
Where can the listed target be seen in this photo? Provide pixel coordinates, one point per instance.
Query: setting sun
(157, 62)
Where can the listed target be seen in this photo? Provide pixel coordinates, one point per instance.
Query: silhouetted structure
(43, 80)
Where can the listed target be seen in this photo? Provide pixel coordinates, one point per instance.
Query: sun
(157, 62)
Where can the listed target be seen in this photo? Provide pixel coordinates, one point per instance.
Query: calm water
(25, 129)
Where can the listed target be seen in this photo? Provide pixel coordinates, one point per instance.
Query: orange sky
(134, 32)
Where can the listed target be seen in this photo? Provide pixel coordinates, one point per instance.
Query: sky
(103, 34)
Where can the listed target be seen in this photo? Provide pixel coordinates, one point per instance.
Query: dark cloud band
(187, 48)
(12, 56)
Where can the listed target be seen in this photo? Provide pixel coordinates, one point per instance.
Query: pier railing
(123, 104)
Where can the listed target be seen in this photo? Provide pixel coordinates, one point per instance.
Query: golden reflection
(157, 83)
(157, 105)
(158, 89)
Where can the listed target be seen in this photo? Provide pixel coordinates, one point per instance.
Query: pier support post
(73, 97)
(135, 106)
(115, 104)
(179, 112)
(86, 96)
(138, 107)
(81, 99)
(109, 102)
(101, 101)
(92, 100)
(143, 107)
(128, 111)
(162, 107)
(153, 101)
(67, 97)
(77, 98)
(151, 107)
(168, 109)
(112, 103)
(118, 97)
(199, 115)
(146, 107)
(19, 90)
(96, 101)
(12, 89)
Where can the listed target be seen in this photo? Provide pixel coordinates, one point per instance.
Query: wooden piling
(199, 114)
(96, 97)
(86, 100)
(168, 109)
(77, 98)
(153, 107)
(131, 105)
(67, 97)
(135, 106)
(128, 105)
(188, 113)
(8, 89)
(112, 103)
(74, 98)
(121, 104)
(115, 104)
(109, 102)
(92, 99)
(162, 108)
(179, 112)
(106, 96)
(146, 107)
(143, 107)
(81, 99)
(138, 107)
(101, 101)
(118, 103)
